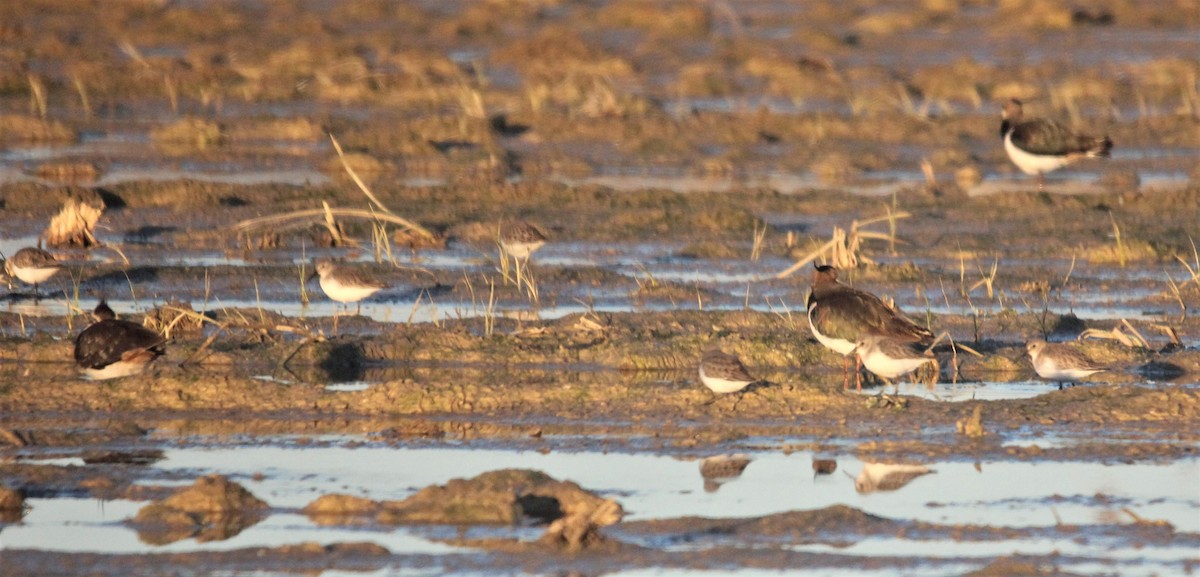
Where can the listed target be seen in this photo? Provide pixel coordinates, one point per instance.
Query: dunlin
(1040, 145)
(112, 348)
(521, 239)
(32, 266)
(346, 284)
(890, 357)
(1061, 362)
(723, 373)
(839, 315)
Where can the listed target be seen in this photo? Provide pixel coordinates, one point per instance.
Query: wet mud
(682, 158)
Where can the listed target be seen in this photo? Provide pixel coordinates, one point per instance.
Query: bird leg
(858, 372)
(1041, 182)
(845, 373)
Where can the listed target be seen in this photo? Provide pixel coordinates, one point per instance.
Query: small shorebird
(112, 348)
(839, 315)
(1061, 362)
(32, 266)
(1040, 145)
(346, 284)
(723, 373)
(890, 357)
(720, 469)
(887, 476)
(521, 239)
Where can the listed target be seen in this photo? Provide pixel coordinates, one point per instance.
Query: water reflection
(720, 469)
(823, 466)
(887, 476)
(202, 528)
(1007, 493)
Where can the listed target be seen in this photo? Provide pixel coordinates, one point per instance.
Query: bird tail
(1102, 148)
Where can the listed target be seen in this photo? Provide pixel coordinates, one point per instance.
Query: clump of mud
(212, 509)
(12, 505)
(505, 497)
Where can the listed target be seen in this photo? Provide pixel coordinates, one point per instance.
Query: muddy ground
(680, 156)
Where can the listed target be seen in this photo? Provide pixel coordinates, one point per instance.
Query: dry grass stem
(844, 249)
(1133, 339)
(392, 217)
(37, 96)
(760, 234)
(1121, 255)
(73, 226)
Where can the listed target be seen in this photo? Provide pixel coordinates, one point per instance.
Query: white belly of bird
(34, 275)
(890, 368)
(841, 346)
(114, 371)
(522, 250)
(346, 293)
(721, 385)
(1030, 163)
(1048, 369)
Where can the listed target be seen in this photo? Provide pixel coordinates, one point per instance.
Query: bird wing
(848, 314)
(903, 349)
(110, 341)
(1071, 357)
(362, 279)
(1044, 136)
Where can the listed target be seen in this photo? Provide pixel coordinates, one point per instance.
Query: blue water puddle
(968, 391)
(69, 524)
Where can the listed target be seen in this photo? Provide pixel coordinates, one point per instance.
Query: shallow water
(990, 493)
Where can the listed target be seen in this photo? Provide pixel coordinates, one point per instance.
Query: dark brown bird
(840, 315)
(1040, 145)
(112, 348)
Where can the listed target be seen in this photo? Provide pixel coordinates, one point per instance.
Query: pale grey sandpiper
(111, 348)
(346, 284)
(1040, 145)
(839, 315)
(1061, 362)
(723, 373)
(891, 358)
(32, 266)
(521, 239)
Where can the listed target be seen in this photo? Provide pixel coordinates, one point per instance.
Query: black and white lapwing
(112, 348)
(1040, 145)
(840, 315)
